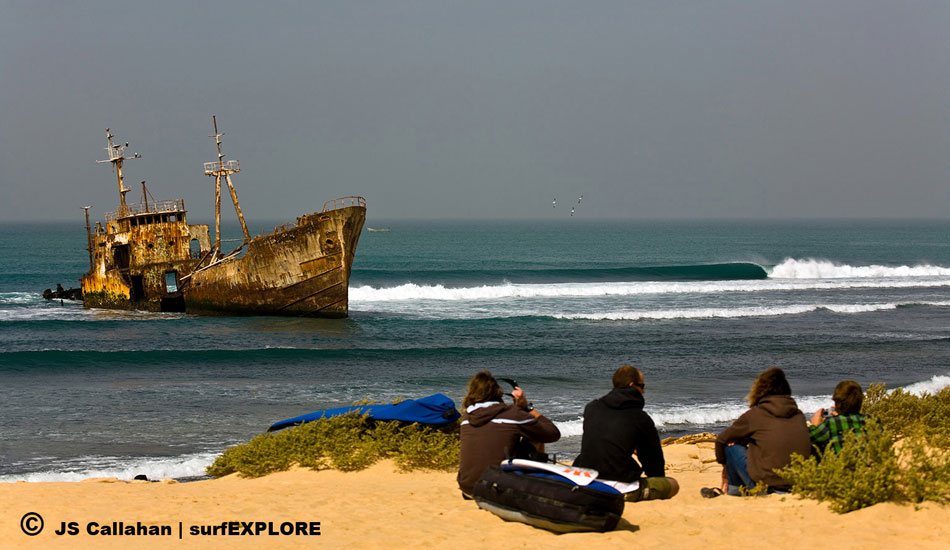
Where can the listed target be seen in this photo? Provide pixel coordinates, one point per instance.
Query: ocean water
(701, 308)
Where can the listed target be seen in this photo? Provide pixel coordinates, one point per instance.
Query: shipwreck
(147, 256)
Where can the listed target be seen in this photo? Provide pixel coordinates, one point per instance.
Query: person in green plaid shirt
(830, 429)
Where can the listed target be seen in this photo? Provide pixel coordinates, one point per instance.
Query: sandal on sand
(710, 492)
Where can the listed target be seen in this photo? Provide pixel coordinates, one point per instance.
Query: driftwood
(692, 439)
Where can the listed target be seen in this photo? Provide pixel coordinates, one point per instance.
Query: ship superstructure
(148, 257)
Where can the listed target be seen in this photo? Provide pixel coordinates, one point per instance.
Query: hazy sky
(483, 109)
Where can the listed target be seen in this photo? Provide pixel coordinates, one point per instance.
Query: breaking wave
(700, 272)
(705, 416)
(727, 313)
(123, 468)
(931, 386)
(791, 268)
(789, 275)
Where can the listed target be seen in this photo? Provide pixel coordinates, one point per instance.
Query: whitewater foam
(42, 313)
(75, 312)
(571, 428)
(792, 268)
(17, 298)
(706, 416)
(931, 386)
(727, 313)
(412, 292)
(178, 467)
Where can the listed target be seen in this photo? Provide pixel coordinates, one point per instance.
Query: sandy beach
(380, 507)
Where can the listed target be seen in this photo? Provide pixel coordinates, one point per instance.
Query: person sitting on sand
(763, 438)
(844, 417)
(491, 430)
(616, 427)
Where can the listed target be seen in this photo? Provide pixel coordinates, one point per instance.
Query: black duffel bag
(548, 501)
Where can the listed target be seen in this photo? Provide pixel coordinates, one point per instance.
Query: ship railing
(212, 168)
(344, 202)
(142, 208)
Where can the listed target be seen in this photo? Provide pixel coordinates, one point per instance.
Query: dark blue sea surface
(701, 307)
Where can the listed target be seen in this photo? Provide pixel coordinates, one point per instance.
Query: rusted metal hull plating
(302, 270)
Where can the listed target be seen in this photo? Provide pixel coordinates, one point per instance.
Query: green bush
(907, 414)
(348, 442)
(925, 468)
(904, 455)
(863, 473)
(422, 448)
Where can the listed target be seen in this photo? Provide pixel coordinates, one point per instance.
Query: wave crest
(931, 386)
(792, 268)
(704, 416)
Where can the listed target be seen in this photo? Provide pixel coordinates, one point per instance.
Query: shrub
(903, 455)
(422, 448)
(906, 413)
(925, 468)
(760, 489)
(348, 442)
(863, 473)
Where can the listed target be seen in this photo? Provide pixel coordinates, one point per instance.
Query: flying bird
(554, 203)
(579, 199)
(572, 211)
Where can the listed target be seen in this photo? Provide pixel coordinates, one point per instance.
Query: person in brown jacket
(491, 429)
(763, 438)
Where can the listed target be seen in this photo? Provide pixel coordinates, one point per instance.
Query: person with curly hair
(763, 438)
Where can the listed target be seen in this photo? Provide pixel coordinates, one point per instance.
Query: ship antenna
(116, 156)
(224, 169)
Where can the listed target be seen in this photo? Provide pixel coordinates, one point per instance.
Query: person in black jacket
(616, 427)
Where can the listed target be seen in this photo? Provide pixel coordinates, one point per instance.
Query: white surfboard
(579, 476)
(622, 486)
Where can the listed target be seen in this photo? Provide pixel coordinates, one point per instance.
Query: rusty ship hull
(148, 257)
(300, 270)
(148, 261)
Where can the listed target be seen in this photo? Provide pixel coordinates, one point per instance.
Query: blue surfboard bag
(437, 410)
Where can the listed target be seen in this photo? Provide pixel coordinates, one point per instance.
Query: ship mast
(223, 169)
(88, 238)
(116, 156)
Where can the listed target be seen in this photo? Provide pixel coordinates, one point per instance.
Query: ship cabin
(138, 258)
